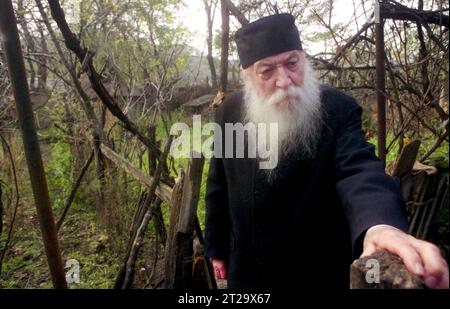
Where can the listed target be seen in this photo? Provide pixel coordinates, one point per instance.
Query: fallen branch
(163, 191)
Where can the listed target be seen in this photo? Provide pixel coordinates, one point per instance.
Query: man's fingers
(220, 274)
(369, 249)
(430, 255)
(223, 274)
(436, 269)
(216, 273)
(444, 283)
(410, 257)
(399, 244)
(220, 269)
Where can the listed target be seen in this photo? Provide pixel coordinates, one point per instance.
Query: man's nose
(283, 81)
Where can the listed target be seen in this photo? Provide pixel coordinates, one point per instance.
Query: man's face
(277, 72)
(283, 89)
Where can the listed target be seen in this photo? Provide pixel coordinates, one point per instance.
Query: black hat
(266, 37)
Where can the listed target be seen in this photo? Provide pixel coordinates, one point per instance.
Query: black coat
(305, 228)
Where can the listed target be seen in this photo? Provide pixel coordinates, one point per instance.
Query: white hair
(299, 127)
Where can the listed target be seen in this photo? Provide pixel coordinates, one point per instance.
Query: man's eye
(292, 65)
(266, 72)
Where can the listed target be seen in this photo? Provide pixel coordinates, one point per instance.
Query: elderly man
(327, 200)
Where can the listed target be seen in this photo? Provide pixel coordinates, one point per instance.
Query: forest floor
(25, 264)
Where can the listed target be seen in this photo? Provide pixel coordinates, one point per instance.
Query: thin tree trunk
(28, 39)
(137, 240)
(398, 107)
(157, 213)
(14, 57)
(74, 191)
(225, 46)
(42, 71)
(381, 89)
(209, 40)
(158, 221)
(7, 150)
(137, 243)
(100, 173)
(138, 217)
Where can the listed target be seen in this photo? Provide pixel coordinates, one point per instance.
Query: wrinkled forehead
(279, 58)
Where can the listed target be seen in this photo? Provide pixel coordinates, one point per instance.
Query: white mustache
(292, 94)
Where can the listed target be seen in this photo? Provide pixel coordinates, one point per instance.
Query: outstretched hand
(420, 257)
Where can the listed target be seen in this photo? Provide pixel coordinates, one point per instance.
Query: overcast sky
(194, 19)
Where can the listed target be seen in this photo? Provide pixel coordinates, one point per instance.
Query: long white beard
(297, 111)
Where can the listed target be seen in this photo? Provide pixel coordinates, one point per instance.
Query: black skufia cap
(266, 37)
